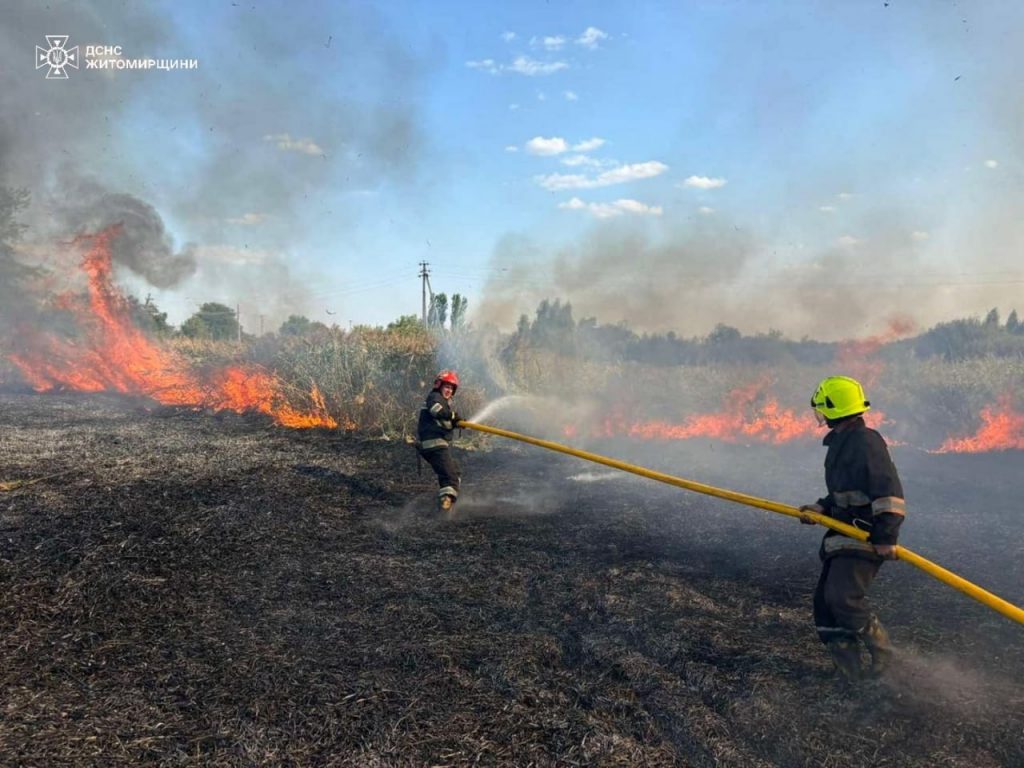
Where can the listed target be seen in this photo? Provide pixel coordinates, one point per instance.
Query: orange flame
(748, 414)
(855, 355)
(112, 355)
(1002, 429)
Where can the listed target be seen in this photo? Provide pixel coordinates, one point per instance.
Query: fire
(238, 389)
(856, 356)
(748, 414)
(111, 355)
(1002, 429)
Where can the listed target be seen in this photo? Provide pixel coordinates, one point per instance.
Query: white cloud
(592, 162)
(513, 107)
(991, 164)
(508, 37)
(844, 195)
(487, 65)
(827, 208)
(541, 96)
(616, 208)
(556, 145)
(249, 219)
(524, 65)
(591, 37)
(571, 96)
(705, 211)
(589, 145)
(848, 241)
(551, 43)
(635, 206)
(556, 181)
(704, 182)
(919, 235)
(287, 143)
(538, 145)
(511, 148)
(631, 172)
(619, 175)
(574, 160)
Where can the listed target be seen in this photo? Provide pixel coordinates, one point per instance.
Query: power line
(376, 281)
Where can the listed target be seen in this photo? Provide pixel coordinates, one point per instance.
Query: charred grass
(208, 590)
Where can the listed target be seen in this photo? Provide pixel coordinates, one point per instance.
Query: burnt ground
(208, 590)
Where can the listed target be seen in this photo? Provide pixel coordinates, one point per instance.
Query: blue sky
(667, 164)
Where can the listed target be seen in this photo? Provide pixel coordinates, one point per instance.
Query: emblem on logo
(57, 57)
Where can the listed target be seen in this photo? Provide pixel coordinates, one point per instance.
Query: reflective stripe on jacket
(864, 488)
(435, 426)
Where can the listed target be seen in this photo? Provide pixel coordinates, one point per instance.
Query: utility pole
(425, 275)
(261, 325)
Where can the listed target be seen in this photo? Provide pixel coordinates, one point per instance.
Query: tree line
(553, 328)
(219, 322)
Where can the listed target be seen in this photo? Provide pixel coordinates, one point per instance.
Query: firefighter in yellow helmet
(864, 491)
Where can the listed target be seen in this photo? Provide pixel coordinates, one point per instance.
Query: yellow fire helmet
(838, 397)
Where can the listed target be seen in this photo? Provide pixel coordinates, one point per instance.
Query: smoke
(685, 279)
(689, 277)
(144, 246)
(287, 146)
(45, 123)
(249, 152)
(944, 684)
(270, 289)
(618, 273)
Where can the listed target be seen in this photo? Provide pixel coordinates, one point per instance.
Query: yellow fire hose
(902, 553)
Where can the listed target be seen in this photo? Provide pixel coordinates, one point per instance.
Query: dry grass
(376, 379)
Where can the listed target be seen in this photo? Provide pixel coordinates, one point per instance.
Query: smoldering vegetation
(204, 589)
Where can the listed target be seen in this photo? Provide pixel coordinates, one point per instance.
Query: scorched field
(190, 589)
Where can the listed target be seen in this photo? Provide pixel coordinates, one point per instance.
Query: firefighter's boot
(845, 654)
(445, 503)
(879, 646)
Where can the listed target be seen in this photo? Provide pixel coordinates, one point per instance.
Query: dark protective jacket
(864, 489)
(437, 420)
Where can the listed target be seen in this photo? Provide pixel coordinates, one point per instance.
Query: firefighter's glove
(456, 418)
(886, 551)
(815, 508)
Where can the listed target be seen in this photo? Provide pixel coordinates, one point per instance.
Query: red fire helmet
(447, 377)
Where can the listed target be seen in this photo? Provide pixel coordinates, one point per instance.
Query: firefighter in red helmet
(436, 424)
(864, 491)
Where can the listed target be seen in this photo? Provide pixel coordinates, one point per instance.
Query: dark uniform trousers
(840, 599)
(446, 469)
